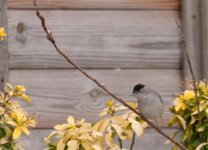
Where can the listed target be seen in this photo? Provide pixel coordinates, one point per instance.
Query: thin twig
(120, 143)
(132, 142)
(51, 39)
(189, 64)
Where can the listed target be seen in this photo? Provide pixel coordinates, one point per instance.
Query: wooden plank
(96, 4)
(204, 37)
(59, 93)
(3, 43)
(191, 28)
(96, 39)
(149, 140)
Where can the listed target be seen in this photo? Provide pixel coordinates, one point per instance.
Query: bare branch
(132, 141)
(51, 39)
(189, 62)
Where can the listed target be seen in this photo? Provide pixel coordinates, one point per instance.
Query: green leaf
(113, 134)
(201, 127)
(172, 121)
(195, 143)
(2, 133)
(8, 146)
(200, 146)
(51, 146)
(182, 121)
(185, 136)
(193, 120)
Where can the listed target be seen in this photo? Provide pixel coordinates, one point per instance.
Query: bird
(149, 102)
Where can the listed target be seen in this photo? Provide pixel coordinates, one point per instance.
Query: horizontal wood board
(35, 140)
(3, 43)
(95, 4)
(59, 93)
(95, 39)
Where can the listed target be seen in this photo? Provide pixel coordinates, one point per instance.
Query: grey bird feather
(149, 102)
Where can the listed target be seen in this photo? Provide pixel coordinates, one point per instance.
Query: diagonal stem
(51, 39)
(132, 142)
(120, 143)
(189, 64)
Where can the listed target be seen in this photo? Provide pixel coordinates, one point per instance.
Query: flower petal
(71, 120)
(26, 97)
(12, 123)
(188, 95)
(136, 126)
(73, 145)
(60, 145)
(17, 132)
(25, 130)
(117, 119)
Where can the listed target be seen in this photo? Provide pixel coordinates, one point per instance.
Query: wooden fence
(120, 42)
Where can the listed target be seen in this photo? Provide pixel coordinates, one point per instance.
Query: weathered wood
(3, 43)
(96, 39)
(35, 140)
(97, 4)
(204, 37)
(59, 93)
(191, 28)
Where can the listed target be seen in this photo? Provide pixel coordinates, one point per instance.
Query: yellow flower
(20, 88)
(2, 33)
(179, 104)
(21, 124)
(203, 87)
(123, 125)
(110, 103)
(112, 108)
(75, 134)
(187, 95)
(2, 111)
(25, 97)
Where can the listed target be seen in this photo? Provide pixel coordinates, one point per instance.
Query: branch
(120, 143)
(51, 39)
(132, 142)
(189, 63)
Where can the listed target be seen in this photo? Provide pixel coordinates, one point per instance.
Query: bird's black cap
(137, 88)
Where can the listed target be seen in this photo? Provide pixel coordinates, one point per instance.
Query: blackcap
(149, 102)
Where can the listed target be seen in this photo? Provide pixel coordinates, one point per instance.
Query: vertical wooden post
(204, 36)
(3, 43)
(191, 28)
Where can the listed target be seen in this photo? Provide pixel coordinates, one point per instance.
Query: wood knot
(94, 93)
(193, 16)
(21, 27)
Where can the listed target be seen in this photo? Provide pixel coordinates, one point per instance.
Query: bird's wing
(159, 97)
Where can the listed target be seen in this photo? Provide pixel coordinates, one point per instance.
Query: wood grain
(204, 37)
(191, 28)
(96, 39)
(3, 43)
(96, 4)
(35, 140)
(59, 93)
